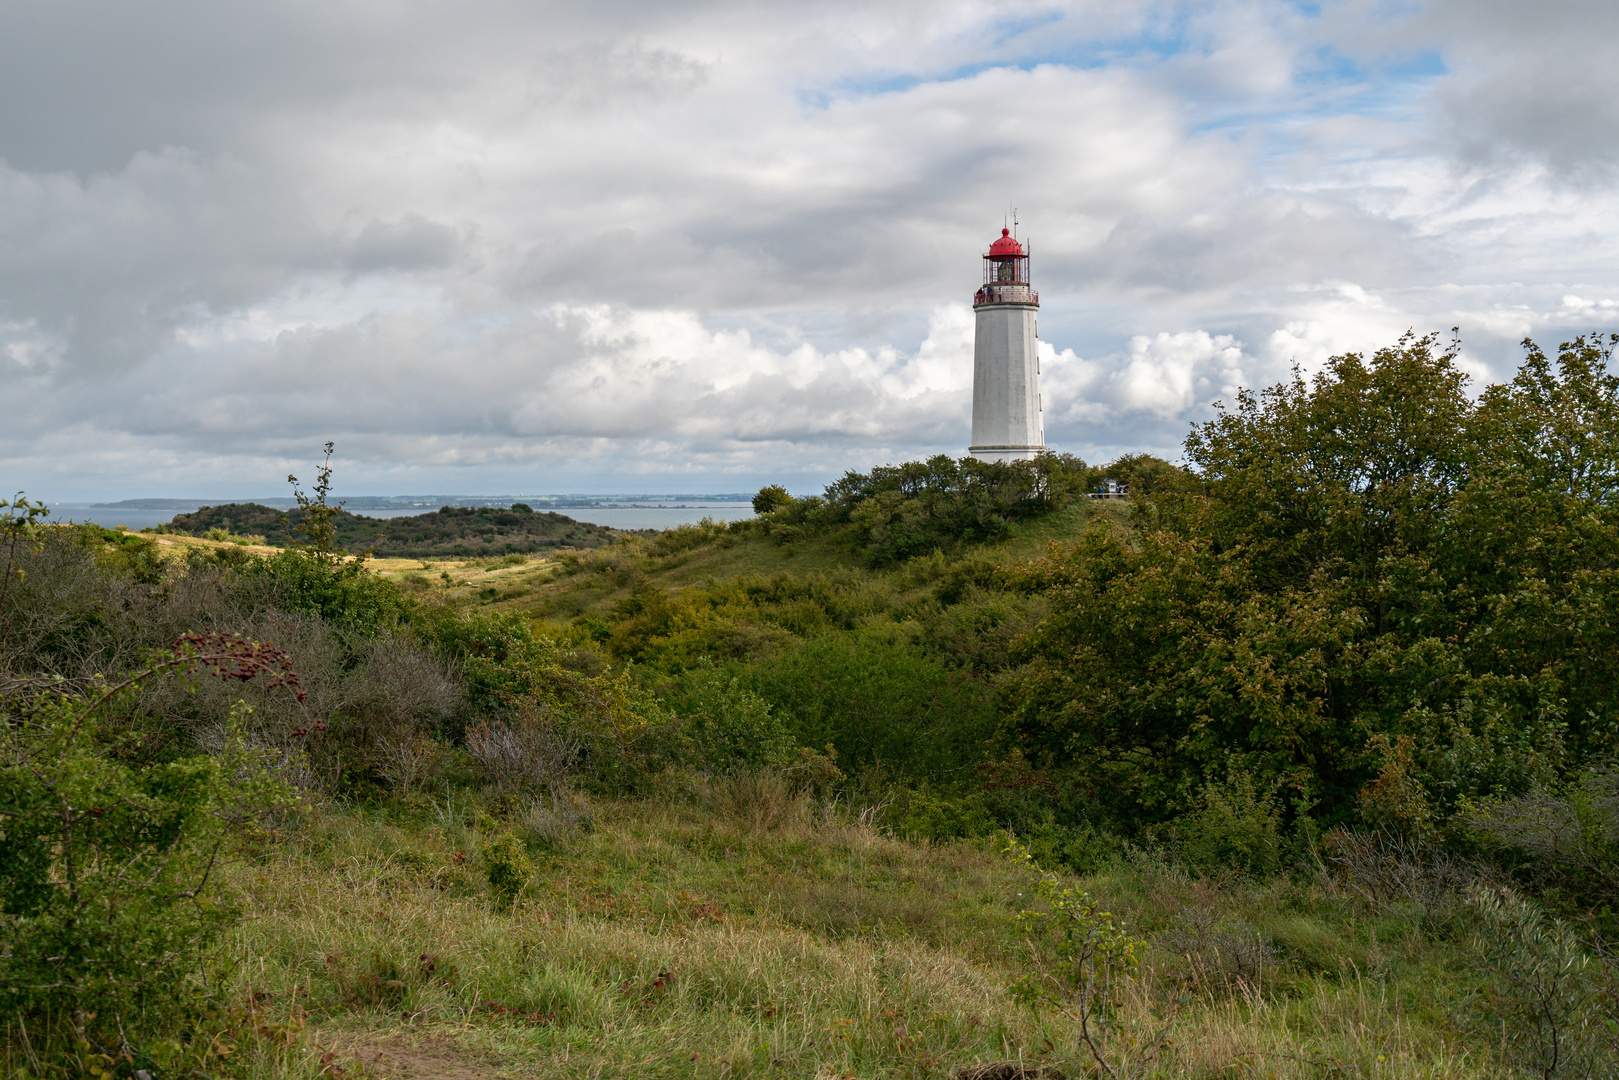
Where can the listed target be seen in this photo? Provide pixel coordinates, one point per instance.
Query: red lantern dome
(1005, 246)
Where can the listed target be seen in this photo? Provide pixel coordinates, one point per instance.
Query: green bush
(108, 865)
(507, 868)
(770, 499)
(1234, 826)
(897, 512)
(1564, 840)
(1376, 590)
(1540, 996)
(732, 728)
(340, 591)
(884, 704)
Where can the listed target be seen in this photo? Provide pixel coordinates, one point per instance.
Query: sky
(503, 247)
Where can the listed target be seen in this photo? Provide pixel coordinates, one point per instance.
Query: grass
(732, 928)
(751, 933)
(574, 585)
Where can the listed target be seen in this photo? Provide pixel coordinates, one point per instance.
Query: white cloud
(1168, 374)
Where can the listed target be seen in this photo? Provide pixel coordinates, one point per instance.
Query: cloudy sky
(699, 246)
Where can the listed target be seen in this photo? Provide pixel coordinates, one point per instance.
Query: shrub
(507, 868)
(1318, 593)
(880, 701)
(1540, 994)
(897, 512)
(1084, 958)
(1234, 827)
(340, 591)
(770, 499)
(1568, 838)
(107, 866)
(529, 751)
(732, 728)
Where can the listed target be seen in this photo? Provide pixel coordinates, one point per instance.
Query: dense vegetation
(1297, 762)
(450, 531)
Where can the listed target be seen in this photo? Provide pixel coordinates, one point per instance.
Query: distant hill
(449, 531)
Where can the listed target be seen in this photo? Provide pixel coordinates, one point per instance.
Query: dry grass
(754, 934)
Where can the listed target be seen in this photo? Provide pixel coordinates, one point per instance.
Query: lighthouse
(1007, 425)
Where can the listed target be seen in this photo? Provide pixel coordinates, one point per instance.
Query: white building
(1007, 424)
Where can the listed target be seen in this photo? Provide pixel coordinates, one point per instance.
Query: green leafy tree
(1370, 566)
(770, 499)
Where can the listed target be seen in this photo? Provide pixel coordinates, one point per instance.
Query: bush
(1375, 590)
(881, 702)
(107, 867)
(1083, 960)
(507, 867)
(340, 591)
(1541, 994)
(898, 512)
(1567, 839)
(770, 499)
(1234, 827)
(732, 728)
(532, 750)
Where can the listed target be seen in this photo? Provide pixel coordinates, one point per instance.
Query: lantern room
(1006, 262)
(1006, 274)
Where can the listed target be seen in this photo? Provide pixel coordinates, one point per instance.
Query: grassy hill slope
(755, 933)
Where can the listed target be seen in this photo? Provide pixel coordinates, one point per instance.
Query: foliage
(1564, 840)
(448, 531)
(1233, 827)
(508, 868)
(882, 703)
(1378, 587)
(107, 865)
(339, 591)
(1540, 994)
(607, 725)
(732, 728)
(1085, 959)
(896, 512)
(770, 499)
(317, 522)
(19, 528)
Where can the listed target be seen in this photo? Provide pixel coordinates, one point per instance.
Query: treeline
(897, 512)
(450, 531)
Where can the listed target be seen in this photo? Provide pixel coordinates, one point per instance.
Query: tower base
(1006, 453)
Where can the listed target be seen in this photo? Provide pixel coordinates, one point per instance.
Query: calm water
(615, 517)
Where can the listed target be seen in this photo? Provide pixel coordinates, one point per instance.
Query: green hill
(1300, 765)
(449, 531)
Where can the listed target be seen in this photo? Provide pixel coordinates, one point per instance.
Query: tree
(1369, 565)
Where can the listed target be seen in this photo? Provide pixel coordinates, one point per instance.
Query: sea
(649, 513)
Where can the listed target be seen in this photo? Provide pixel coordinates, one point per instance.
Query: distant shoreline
(674, 501)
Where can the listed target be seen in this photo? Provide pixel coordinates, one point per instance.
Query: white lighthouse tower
(1007, 425)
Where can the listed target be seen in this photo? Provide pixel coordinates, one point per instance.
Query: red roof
(1005, 246)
